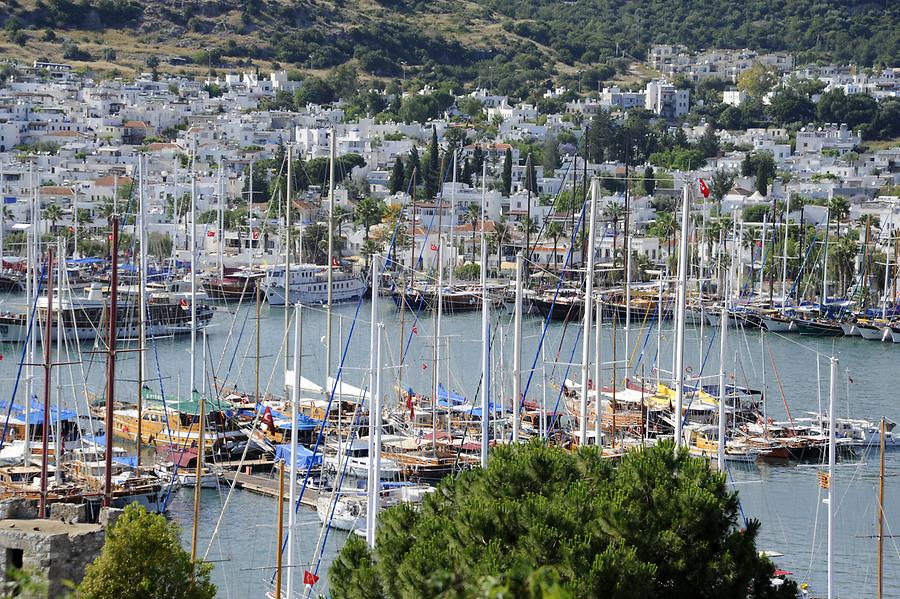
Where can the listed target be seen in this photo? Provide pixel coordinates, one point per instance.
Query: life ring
(689, 370)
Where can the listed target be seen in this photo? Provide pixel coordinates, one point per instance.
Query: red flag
(409, 406)
(109, 237)
(183, 303)
(267, 419)
(1, 357)
(424, 366)
(309, 578)
(334, 261)
(434, 247)
(71, 229)
(704, 189)
(210, 233)
(415, 330)
(255, 235)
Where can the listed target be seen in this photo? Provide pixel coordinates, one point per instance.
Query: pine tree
(398, 177)
(507, 172)
(431, 174)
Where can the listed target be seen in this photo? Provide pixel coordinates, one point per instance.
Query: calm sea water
(786, 499)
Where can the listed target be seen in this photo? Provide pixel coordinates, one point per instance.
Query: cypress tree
(477, 160)
(649, 180)
(762, 179)
(412, 165)
(507, 172)
(466, 175)
(431, 174)
(398, 177)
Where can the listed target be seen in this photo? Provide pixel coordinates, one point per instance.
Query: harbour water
(785, 498)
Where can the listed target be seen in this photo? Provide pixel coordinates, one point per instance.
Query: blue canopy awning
(305, 457)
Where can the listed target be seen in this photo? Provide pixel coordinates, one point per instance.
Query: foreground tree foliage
(541, 522)
(143, 559)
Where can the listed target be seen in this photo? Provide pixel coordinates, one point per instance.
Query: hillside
(513, 44)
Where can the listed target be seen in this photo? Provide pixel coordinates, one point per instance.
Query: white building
(663, 99)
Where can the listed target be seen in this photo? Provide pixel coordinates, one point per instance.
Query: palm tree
(840, 209)
(473, 215)
(614, 213)
(664, 228)
(554, 231)
(341, 216)
(368, 212)
(528, 226)
(869, 221)
(843, 253)
(369, 248)
(500, 236)
(53, 213)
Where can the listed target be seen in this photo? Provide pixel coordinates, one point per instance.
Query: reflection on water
(785, 498)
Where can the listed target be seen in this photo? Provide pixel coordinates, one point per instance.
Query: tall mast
(452, 248)
(3, 215)
(680, 302)
(586, 333)
(626, 245)
(330, 256)
(142, 307)
(220, 234)
(435, 348)
(30, 293)
(111, 357)
(280, 528)
(831, 459)
(485, 336)
(723, 332)
(373, 485)
(289, 192)
(201, 449)
(825, 263)
(527, 205)
(881, 512)
(784, 258)
(295, 413)
(193, 380)
(517, 350)
(45, 429)
(59, 444)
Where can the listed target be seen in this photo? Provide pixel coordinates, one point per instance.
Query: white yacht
(309, 285)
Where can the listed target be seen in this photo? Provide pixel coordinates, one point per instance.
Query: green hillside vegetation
(513, 46)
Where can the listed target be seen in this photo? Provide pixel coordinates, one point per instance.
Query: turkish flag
(704, 189)
(210, 233)
(334, 261)
(309, 578)
(415, 330)
(255, 235)
(267, 419)
(183, 303)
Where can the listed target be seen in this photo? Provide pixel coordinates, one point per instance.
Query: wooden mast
(111, 358)
(45, 429)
